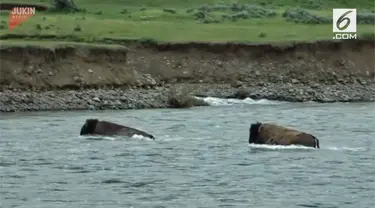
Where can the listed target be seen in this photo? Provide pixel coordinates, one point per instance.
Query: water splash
(99, 138)
(278, 147)
(169, 138)
(140, 137)
(213, 101)
(113, 138)
(354, 149)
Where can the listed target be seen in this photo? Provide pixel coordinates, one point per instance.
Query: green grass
(98, 4)
(54, 44)
(146, 19)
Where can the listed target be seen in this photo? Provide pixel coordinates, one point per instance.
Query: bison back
(274, 134)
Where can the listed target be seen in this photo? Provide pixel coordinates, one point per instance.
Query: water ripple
(200, 158)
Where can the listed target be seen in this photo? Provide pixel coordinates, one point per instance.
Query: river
(200, 158)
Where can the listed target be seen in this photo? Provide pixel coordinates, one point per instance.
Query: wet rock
(149, 80)
(361, 81)
(315, 85)
(310, 91)
(260, 84)
(237, 84)
(344, 98)
(77, 79)
(185, 101)
(160, 97)
(295, 81)
(96, 99)
(240, 94)
(91, 102)
(29, 70)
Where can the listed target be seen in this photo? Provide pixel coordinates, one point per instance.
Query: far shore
(71, 76)
(163, 54)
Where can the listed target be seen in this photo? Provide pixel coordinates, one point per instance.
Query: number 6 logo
(343, 18)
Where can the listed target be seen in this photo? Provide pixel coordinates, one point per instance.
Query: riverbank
(85, 76)
(159, 97)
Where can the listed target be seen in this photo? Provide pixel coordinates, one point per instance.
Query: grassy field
(55, 44)
(191, 20)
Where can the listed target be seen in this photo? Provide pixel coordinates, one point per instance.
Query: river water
(200, 158)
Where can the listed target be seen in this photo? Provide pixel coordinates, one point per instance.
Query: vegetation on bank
(55, 44)
(190, 20)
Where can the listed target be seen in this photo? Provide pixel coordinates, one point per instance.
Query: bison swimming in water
(105, 128)
(277, 135)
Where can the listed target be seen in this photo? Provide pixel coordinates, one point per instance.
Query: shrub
(237, 7)
(259, 12)
(199, 15)
(172, 11)
(64, 10)
(209, 20)
(124, 11)
(233, 12)
(215, 7)
(2, 25)
(313, 4)
(254, 11)
(365, 18)
(369, 36)
(38, 27)
(77, 28)
(205, 18)
(147, 41)
(299, 15)
(239, 15)
(365, 11)
(262, 35)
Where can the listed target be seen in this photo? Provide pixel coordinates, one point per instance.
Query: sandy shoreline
(136, 77)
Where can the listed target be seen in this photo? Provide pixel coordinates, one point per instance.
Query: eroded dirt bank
(83, 77)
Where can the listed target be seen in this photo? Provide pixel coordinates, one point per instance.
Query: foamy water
(112, 138)
(213, 101)
(200, 158)
(291, 147)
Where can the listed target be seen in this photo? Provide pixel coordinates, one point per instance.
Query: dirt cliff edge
(323, 62)
(292, 72)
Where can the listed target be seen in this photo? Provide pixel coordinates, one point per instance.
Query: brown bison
(105, 128)
(277, 135)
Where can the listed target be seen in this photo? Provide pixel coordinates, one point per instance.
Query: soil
(323, 71)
